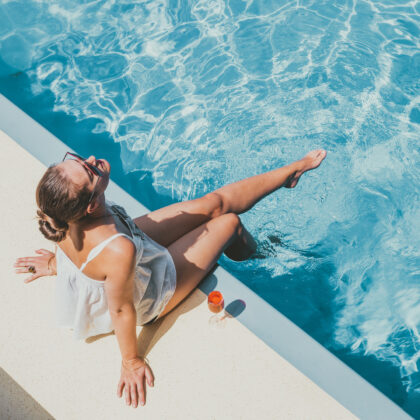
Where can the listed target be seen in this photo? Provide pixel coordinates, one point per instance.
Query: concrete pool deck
(200, 372)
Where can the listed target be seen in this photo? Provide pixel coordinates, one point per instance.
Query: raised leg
(240, 196)
(170, 223)
(197, 252)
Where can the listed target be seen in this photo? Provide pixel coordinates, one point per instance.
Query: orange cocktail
(215, 301)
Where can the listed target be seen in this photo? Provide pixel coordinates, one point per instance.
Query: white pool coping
(286, 375)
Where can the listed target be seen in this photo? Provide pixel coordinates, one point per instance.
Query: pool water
(184, 97)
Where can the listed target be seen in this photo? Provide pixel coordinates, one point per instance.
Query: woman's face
(82, 176)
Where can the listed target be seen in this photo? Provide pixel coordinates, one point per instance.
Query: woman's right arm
(44, 264)
(52, 263)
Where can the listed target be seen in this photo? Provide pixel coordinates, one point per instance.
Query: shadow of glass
(235, 308)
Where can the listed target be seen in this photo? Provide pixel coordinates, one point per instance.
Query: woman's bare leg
(240, 196)
(197, 252)
(242, 247)
(168, 224)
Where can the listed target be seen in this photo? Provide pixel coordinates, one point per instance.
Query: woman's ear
(93, 205)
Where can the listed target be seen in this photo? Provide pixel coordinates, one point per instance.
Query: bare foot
(310, 161)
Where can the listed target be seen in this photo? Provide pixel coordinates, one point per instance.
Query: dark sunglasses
(92, 169)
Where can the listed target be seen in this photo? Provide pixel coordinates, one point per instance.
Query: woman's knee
(233, 222)
(214, 204)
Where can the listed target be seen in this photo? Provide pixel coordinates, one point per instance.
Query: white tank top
(81, 302)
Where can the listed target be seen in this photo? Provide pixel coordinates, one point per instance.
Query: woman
(114, 272)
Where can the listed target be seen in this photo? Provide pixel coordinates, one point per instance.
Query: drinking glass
(216, 304)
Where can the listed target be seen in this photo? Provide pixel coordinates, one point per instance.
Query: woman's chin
(106, 166)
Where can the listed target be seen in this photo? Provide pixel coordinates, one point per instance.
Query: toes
(321, 154)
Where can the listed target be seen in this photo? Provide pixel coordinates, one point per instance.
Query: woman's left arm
(42, 265)
(119, 289)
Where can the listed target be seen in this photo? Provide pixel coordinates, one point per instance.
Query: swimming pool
(185, 98)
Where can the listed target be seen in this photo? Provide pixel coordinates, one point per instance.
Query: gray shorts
(151, 321)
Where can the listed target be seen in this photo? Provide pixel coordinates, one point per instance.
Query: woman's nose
(91, 159)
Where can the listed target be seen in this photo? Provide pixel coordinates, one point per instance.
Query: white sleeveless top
(81, 302)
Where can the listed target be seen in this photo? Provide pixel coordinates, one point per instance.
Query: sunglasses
(92, 169)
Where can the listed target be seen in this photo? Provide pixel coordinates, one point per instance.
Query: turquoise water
(184, 97)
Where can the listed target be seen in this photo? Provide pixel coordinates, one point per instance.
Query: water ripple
(211, 92)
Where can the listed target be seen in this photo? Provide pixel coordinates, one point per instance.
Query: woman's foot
(311, 161)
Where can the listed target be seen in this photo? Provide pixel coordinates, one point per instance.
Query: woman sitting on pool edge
(115, 272)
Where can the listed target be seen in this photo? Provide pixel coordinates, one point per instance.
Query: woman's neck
(101, 215)
(101, 211)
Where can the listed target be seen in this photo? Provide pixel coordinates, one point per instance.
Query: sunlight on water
(207, 93)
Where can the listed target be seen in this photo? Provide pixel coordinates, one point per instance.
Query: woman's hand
(133, 373)
(44, 265)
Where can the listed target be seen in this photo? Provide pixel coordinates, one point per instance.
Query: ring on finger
(31, 269)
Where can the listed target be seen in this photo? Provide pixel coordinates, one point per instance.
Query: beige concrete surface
(200, 372)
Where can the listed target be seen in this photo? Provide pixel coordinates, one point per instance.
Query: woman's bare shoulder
(121, 245)
(118, 260)
(119, 252)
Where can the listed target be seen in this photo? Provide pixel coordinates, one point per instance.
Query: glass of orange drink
(215, 303)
